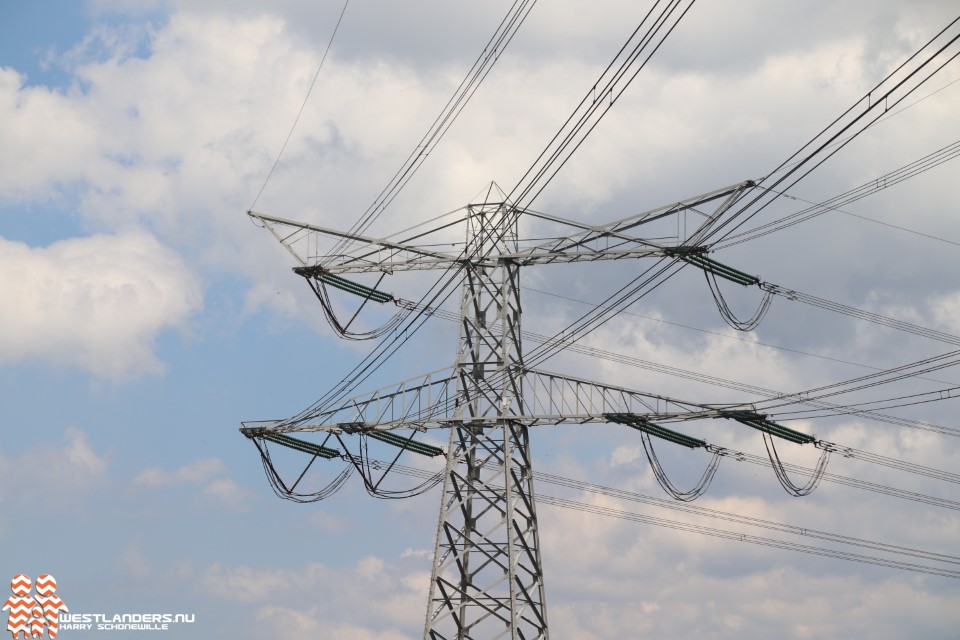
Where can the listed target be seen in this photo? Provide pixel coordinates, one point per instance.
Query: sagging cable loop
(711, 270)
(647, 429)
(661, 476)
(367, 465)
(727, 314)
(361, 462)
(318, 279)
(289, 493)
(781, 472)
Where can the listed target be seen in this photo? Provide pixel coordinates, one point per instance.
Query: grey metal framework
(487, 578)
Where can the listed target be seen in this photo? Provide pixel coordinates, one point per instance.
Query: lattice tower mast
(487, 577)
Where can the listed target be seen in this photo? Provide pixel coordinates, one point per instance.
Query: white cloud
(178, 139)
(37, 155)
(227, 493)
(96, 303)
(246, 584)
(946, 310)
(211, 473)
(691, 586)
(196, 472)
(61, 473)
(370, 567)
(293, 624)
(80, 456)
(345, 596)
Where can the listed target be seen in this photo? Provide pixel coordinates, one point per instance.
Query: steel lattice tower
(487, 579)
(487, 576)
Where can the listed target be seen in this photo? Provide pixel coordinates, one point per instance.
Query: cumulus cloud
(946, 309)
(62, 472)
(246, 584)
(296, 623)
(227, 493)
(175, 130)
(209, 473)
(691, 585)
(37, 155)
(195, 472)
(96, 303)
(345, 596)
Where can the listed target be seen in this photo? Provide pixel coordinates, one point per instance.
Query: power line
(686, 507)
(856, 483)
(509, 25)
(490, 416)
(772, 395)
(744, 537)
(611, 80)
(440, 290)
(913, 169)
(890, 114)
(725, 336)
(313, 82)
(589, 322)
(896, 87)
(598, 101)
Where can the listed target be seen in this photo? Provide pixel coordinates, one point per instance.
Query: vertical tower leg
(487, 580)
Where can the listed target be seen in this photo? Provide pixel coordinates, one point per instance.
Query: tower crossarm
(612, 241)
(432, 401)
(378, 255)
(583, 243)
(304, 241)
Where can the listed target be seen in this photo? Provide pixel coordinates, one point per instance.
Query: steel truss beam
(433, 401)
(585, 243)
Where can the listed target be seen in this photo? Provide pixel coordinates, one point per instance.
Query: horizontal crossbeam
(433, 401)
(612, 237)
(578, 242)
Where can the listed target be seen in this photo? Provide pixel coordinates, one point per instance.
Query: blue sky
(146, 317)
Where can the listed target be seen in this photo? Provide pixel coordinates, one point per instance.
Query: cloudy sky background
(144, 316)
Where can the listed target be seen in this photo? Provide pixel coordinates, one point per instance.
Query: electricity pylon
(487, 578)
